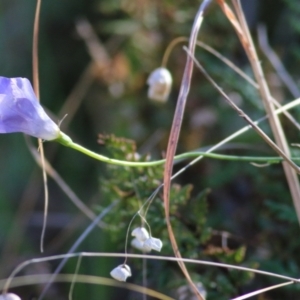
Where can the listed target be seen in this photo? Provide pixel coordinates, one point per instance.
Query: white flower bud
(120, 273)
(9, 296)
(160, 82)
(139, 245)
(140, 233)
(153, 244)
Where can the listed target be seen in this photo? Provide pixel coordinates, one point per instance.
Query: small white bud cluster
(144, 242)
(160, 82)
(121, 272)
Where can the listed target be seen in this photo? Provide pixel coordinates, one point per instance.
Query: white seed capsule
(137, 244)
(160, 82)
(140, 233)
(121, 272)
(153, 244)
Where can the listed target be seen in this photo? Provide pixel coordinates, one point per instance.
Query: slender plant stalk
(36, 86)
(290, 173)
(242, 30)
(6, 284)
(35, 50)
(269, 288)
(174, 135)
(70, 296)
(179, 157)
(86, 279)
(62, 184)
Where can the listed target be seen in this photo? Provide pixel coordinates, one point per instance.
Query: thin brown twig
(35, 50)
(36, 86)
(64, 187)
(279, 135)
(240, 25)
(174, 135)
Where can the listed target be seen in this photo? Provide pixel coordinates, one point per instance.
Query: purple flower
(20, 110)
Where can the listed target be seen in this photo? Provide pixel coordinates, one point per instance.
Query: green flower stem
(254, 159)
(66, 141)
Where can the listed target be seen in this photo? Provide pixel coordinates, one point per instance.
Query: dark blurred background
(95, 57)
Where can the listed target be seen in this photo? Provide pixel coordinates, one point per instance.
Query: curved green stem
(66, 141)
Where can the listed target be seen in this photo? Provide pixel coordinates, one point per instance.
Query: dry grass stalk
(174, 135)
(35, 71)
(240, 25)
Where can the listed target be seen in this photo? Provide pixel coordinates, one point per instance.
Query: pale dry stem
(36, 87)
(269, 288)
(174, 135)
(5, 284)
(86, 279)
(64, 187)
(240, 25)
(291, 174)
